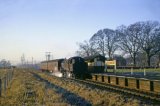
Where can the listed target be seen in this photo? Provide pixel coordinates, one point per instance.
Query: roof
(76, 58)
(91, 58)
(56, 60)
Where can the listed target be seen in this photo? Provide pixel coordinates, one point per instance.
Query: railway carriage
(52, 65)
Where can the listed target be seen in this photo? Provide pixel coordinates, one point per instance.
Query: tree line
(5, 64)
(137, 40)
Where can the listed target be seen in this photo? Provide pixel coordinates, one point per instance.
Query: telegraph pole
(27, 64)
(48, 55)
(32, 63)
(23, 60)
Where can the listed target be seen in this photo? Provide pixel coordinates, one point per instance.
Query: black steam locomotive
(74, 67)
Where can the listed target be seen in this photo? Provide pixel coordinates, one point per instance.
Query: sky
(33, 27)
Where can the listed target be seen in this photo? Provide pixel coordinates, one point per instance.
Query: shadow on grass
(68, 96)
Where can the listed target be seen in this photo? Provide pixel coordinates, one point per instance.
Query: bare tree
(86, 49)
(129, 43)
(98, 41)
(4, 63)
(140, 37)
(111, 39)
(150, 38)
(105, 41)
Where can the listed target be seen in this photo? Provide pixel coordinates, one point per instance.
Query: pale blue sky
(33, 27)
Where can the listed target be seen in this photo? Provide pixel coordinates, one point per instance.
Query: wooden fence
(5, 81)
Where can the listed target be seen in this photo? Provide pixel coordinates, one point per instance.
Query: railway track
(145, 96)
(125, 91)
(29, 98)
(100, 85)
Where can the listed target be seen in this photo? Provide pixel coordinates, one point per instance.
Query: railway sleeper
(30, 94)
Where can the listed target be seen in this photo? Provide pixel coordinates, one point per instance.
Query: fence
(5, 81)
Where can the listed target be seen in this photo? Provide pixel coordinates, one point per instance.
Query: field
(32, 87)
(139, 73)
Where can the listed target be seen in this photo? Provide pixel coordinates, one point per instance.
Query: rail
(100, 85)
(104, 86)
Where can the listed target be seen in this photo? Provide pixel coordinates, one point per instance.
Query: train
(75, 67)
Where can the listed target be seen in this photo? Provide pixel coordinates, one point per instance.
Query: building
(96, 63)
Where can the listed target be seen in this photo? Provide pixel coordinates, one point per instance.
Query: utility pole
(32, 63)
(23, 60)
(27, 64)
(35, 64)
(52, 57)
(48, 55)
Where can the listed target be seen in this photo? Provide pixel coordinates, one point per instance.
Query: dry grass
(60, 93)
(95, 96)
(2, 72)
(15, 95)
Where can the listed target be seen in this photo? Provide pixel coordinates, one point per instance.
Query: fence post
(5, 85)
(12, 74)
(0, 87)
(7, 79)
(132, 71)
(144, 72)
